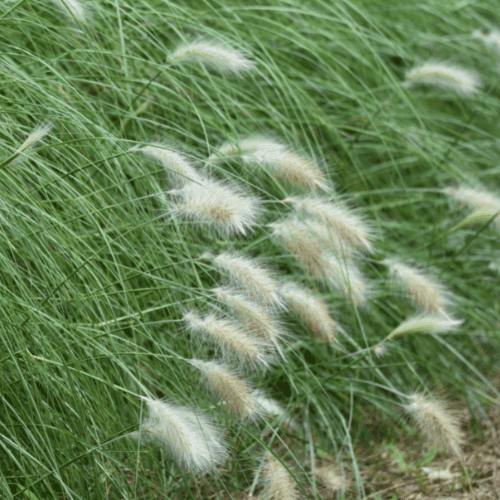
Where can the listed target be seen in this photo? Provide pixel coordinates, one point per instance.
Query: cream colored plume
(279, 484)
(35, 136)
(426, 323)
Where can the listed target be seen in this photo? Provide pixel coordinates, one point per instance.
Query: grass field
(99, 268)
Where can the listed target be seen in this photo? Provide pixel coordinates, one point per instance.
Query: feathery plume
(228, 386)
(491, 40)
(426, 323)
(253, 317)
(272, 408)
(213, 55)
(230, 336)
(427, 293)
(380, 350)
(346, 224)
(445, 474)
(331, 478)
(435, 419)
(73, 9)
(249, 146)
(314, 254)
(221, 205)
(193, 440)
(35, 136)
(279, 484)
(177, 166)
(245, 272)
(485, 203)
(290, 166)
(445, 76)
(312, 311)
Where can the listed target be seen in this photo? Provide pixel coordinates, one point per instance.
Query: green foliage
(96, 277)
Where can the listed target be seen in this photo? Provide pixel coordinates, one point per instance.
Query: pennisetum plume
(35, 136)
(272, 408)
(491, 40)
(332, 478)
(231, 337)
(217, 204)
(312, 311)
(342, 221)
(485, 204)
(214, 55)
(279, 484)
(73, 9)
(435, 419)
(430, 295)
(192, 439)
(177, 166)
(313, 251)
(249, 274)
(254, 318)
(445, 76)
(426, 323)
(229, 387)
(248, 146)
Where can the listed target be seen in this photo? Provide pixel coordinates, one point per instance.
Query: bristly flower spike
(214, 55)
(192, 439)
(426, 323)
(279, 484)
(432, 297)
(248, 146)
(253, 317)
(312, 311)
(435, 419)
(220, 205)
(177, 166)
(486, 204)
(274, 409)
(346, 224)
(445, 76)
(250, 275)
(35, 136)
(231, 337)
(229, 387)
(332, 478)
(491, 40)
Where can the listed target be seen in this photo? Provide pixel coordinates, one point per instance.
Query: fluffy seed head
(435, 419)
(312, 311)
(247, 273)
(231, 337)
(253, 317)
(343, 222)
(445, 76)
(427, 293)
(332, 478)
(380, 350)
(311, 244)
(249, 146)
(177, 166)
(279, 484)
(73, 9)
(216, 204)
(192, 439)
(485, 203)
(213, 55)
(272, 408)
(426, 323)
(290, 166)
(228, 386)
(35, 136)
(492, 40)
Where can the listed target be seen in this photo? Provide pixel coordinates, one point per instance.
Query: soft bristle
(248, 146)
(193, 440)
(312, 311)
(231, 337)
(228, 386)
(430, 296)
(445, 76)
(279, 484)
(426, 323)
(332, 478)
(348, 226)
(177, 165)
(441, 425)
(250, 275)
(214, 55)
(222, 206)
